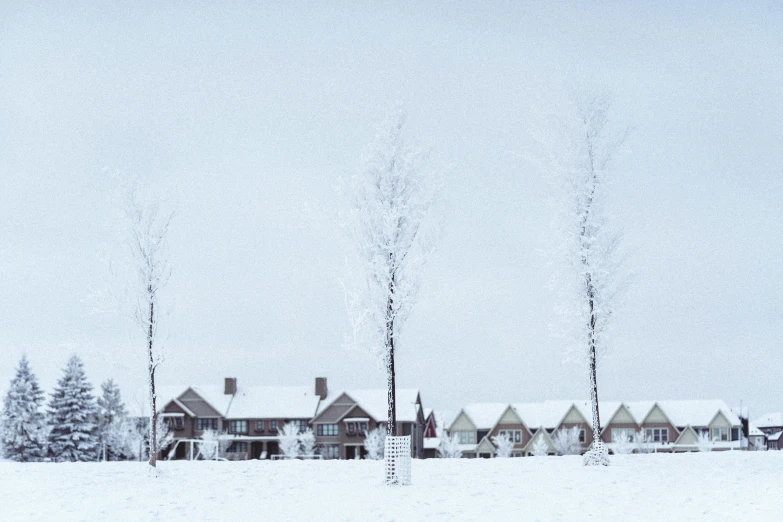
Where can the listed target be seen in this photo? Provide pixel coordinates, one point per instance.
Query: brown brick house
(345, 417)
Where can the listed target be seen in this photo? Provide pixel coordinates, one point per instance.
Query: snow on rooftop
(770, 420)
(374, 402)
(696, 412)
(485, 414)
(269, 402)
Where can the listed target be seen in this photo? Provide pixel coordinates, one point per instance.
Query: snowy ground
(732, 485)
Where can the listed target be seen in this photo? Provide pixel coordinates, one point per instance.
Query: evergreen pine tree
(74, 432)
(111, 416)
(22, 423)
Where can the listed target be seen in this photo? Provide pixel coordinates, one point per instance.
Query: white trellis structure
(397, 455)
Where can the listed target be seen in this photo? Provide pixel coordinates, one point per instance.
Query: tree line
(75, 425)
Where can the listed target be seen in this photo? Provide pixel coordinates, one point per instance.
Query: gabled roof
(770, 420)
(485, 414)
(547, 414)
(137, 404)
(754, 431)
(374, 402)
(697, 412)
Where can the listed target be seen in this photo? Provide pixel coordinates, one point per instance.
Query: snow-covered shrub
(73, 415)
(504, 445)
(373, 444)
(640, 443)
(449, 447)
(705, 443)
(210, 447)
(566, 441)
(307, 443)
(623, 444)
(289, 440)
(23, 427)
(540, 448)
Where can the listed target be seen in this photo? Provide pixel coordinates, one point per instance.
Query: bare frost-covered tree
(149, 228)
(307, 443)
(566, 441)
(591, 243)
(288, 438)
(540, 448)
(373, 444)
(448, 446)
(503, 444)
(390, 201)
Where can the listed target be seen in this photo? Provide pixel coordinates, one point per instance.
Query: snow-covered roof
(214, 396)
(137, 404)
(775, 437)
(374, 402)
(444, 418)
(770, 420)
(696, 412)
(485, 414)
(754, 431)
(272, 402)
(545, 414)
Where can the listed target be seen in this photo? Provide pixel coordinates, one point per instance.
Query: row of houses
(666, 426)
(252, 415)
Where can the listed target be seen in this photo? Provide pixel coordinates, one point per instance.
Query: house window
(327, 430)
(329, 451)
(582, 435)
(466, 437)
(363, 427)
(720, 434)
(735, 434)
(351, 428)
(259, 425)
(237, 446)
(514, 436)
(656, 435)
(206, 424)
(619, 432)
(273, 426)
(237, 426)
(301, 425)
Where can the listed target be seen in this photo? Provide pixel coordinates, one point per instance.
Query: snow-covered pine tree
(73, 416)
(289, 440)
(503, 445)
(390, 201)
(374, 444)
(111, 415)
(22, 422)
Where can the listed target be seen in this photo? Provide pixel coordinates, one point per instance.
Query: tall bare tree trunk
(391, 424)
(153, 457)
(593, 376)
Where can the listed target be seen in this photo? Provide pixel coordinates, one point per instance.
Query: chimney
(320, 387)
(231, 386)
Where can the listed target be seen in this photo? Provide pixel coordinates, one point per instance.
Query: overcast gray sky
(247, 116)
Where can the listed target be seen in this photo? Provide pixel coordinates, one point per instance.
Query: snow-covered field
(702, 486)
